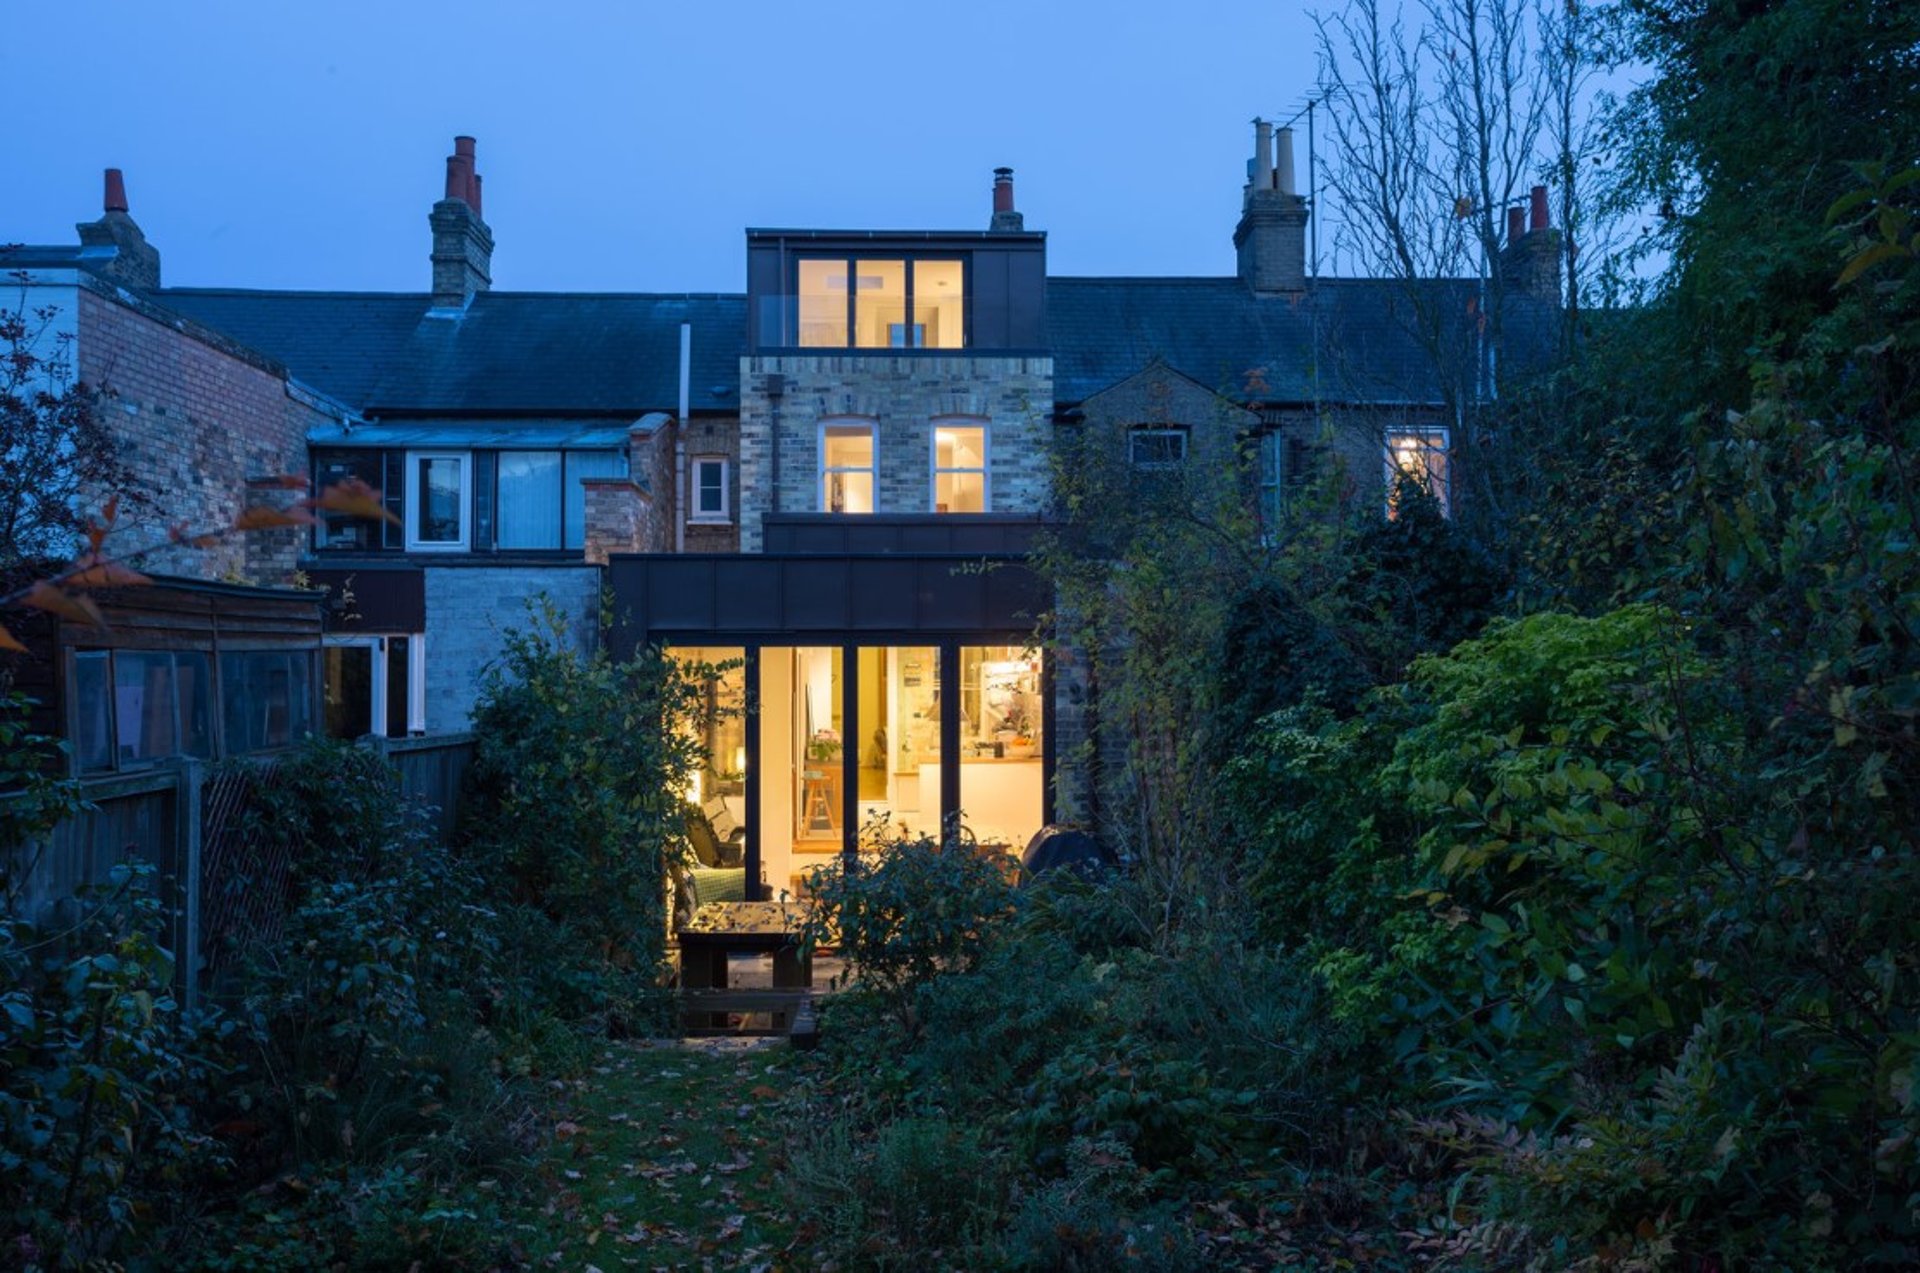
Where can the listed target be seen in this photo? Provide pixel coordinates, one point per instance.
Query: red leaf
(261, 517)
(44, 596)
(8, 643)
(354, 498)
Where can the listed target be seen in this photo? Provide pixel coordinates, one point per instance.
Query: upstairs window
(710, 489)
(882, 303)
(1156, 447)
(846, 468)
(338, 530)
(959, 467)
(1420, 457)
(439, 495)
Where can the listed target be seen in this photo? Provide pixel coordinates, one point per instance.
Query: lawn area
(664, 1155)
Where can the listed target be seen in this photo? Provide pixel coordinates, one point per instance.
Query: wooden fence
(223, 884)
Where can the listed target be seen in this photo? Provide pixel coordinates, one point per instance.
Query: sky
(627, 146)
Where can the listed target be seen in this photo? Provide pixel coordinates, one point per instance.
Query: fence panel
(432, 769)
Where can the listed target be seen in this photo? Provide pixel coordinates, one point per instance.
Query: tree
(57, 455)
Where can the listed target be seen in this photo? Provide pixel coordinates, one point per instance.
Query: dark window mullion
(906, 269)
(853, 292)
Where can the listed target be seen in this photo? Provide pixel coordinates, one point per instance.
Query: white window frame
(724, 516)
(986, 461)
(1431, 434)
(415, 505)
(1139, 431)
(416, 682)
(872, 469)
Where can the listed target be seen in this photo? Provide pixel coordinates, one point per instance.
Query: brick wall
(705, 437)
(469, 611)
(199, 417)
(903, 396)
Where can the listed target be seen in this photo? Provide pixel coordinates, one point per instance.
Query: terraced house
(829, 480)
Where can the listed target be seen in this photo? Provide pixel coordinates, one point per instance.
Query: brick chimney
(462, 243)
(134, 262)
(1530, 262)
(1005, 219)
(1271, 239)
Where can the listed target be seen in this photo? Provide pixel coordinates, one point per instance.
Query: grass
(663, 1155)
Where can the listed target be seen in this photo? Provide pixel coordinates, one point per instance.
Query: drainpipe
(680, 441)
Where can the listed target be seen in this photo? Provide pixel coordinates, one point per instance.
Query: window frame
(116, 763)
(907, 262)
(1139, 431)
(985, 470)
(698, 516)
(1444, 495)
(872, 469)
(377, 687)
(415, 506)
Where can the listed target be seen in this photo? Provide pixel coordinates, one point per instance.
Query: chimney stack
(133, 262)
(462, 243)
(1271, 239)
(1530, 263)
(1005, 219)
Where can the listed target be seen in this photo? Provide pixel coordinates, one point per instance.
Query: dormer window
(882, 303)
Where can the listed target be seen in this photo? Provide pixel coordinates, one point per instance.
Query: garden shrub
(101, 1081)
(913, 1193)
(574, 800)
(908, 911)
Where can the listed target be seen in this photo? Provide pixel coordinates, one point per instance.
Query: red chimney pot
(116, 193)
(1003, 190)
(476, 194)
(1539, 208)
(1516, 224)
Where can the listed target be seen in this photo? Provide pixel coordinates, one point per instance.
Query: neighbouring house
(828, 482)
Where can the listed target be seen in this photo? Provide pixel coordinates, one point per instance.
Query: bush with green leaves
(575, 803)
(101, 1081)
(908, 911)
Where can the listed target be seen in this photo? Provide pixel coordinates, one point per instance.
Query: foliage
(57, 454)
(99, 1077)
(907, 910)
(576, 780)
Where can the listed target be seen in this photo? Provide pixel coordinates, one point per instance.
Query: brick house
(830, 479)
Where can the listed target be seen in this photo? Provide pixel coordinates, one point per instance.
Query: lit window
(959, 468)
(882, 304)
(439, 493)
(1157, 448)
(846, 468)
(710, 489)
(1419, 456)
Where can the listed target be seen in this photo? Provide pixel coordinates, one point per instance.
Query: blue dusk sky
(626, 146)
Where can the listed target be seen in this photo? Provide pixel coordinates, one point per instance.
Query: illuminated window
(1419, 456)
(959, 468)
(846, 468)
(881, 304)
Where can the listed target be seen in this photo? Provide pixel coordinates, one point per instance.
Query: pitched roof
(337, 342)
(559, 353)
(1216, 331)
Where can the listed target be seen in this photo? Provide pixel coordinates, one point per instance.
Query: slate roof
(336, 342)
(560, 353)
(1216, 331)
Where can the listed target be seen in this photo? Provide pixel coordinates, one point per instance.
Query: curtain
(529, 510)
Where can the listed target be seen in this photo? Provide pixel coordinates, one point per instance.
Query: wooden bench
(720, 930)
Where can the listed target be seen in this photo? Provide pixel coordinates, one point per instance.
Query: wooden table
(722, 929)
